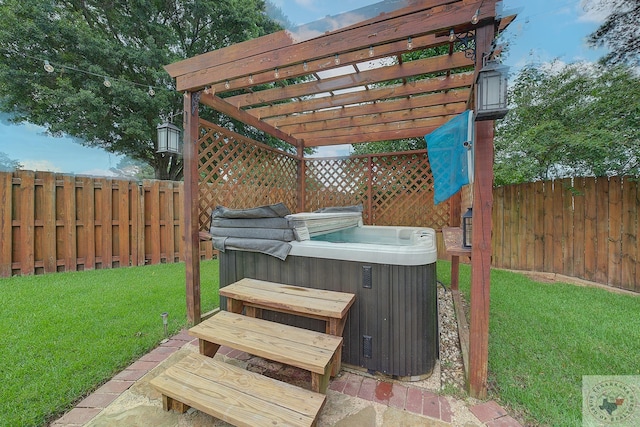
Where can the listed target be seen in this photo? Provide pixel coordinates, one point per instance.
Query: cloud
(333, 151)
(593, 12)
(39, 165)
(97, 172)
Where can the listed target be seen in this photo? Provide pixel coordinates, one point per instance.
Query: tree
(7, 164)
(580, 120)
(130, 168)
(619, 32)
(108, 87)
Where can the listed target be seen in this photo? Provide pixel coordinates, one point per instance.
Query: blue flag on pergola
(450, 154)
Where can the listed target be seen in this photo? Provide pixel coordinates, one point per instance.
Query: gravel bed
(451, 366)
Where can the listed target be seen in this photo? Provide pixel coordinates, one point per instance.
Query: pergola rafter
(314, 89)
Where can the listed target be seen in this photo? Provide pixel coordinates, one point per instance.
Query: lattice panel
(394, 190)
(403, 192)
(336, 182)
(238, 173)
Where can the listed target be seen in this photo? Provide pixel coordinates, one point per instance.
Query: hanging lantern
(467, 229)
(491, 95)
(168, 138)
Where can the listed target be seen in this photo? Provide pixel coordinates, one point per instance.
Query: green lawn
(544, 337)
(65, 334)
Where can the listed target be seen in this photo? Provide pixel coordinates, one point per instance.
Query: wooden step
(302, 348)
(315, 303)
(234, 395)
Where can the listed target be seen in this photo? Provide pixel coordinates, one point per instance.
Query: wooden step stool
(235, 395)
(252, 296)
(302, 348)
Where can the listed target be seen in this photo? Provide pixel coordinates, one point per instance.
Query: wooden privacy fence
(581, 227)
(51, 222)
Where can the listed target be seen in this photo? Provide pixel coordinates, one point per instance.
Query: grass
(543, 337)
(65, 334)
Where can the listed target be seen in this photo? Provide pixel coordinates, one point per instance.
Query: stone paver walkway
(403, 398)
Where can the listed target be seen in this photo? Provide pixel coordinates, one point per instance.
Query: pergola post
(301, 177)
(481, 238)
(190, 211)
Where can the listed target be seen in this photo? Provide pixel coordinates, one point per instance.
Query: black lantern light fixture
(168, 138)
(491, 95)
(467, 229)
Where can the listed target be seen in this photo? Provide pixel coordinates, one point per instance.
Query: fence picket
(528, 233)
(46, 212)
(27, 222)
(124, 232)
(538, 226)
(6, 223)
(615, 232)
(88, 222)
(602, 230)
(579, 241)
(567, 227)
(590, 229)
(558, 227)
(69, 220)
(629, 244)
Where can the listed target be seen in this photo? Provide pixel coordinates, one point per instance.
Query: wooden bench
(302, 348)
(235, 395)
(252, 295)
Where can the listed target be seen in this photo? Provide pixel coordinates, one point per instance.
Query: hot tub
(392, 327)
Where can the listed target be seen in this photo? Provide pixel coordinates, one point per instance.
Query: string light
(337, 59)
(48, 67)
(370, 50)
(409, 44)
(251, 78)
(276, 73)
(227, 85)
(452, 36)
(475, 17)
(106, 81)
(305, 66)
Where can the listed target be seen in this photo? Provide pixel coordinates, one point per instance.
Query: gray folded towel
(285, 235)
(277, 210)
(274, 248)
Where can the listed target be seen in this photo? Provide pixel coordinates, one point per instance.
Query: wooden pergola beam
(412, 132)
(437, 16)
(274, 114)
(220, 105)
(381, 128)
(417, 105)
(383, 74)
(437, 111)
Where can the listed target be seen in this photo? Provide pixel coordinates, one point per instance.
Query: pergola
(312, 89)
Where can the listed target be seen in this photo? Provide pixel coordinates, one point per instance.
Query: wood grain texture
(293, 346)
(237, 396)
(291, 299)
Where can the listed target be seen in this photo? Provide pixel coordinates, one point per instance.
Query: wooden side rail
(235, 395)
(310, 350)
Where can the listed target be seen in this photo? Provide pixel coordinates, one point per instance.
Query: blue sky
(544, 30)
